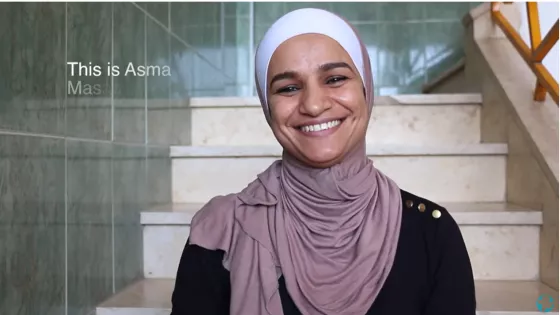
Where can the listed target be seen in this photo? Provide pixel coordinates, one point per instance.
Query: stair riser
(414, 125)
(166, 311)
(443, 178)
(508, 252)
(134, 311)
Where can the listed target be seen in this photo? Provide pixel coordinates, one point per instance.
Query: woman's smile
(320, 128)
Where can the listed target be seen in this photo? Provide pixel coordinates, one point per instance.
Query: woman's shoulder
(216, 212)
(433, 218)
(430, 226)
(213, 225)
(420, 204)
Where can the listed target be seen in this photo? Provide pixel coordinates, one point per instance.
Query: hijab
(332, 233)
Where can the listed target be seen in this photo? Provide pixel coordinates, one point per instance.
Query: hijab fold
(332, 233)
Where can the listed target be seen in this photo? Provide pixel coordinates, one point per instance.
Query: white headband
(304, 21)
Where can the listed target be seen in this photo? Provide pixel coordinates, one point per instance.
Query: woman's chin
(321, 158)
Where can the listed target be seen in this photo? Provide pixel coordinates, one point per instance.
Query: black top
(431, 274)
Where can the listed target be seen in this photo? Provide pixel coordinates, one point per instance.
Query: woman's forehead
(309, 40)
(312, 49)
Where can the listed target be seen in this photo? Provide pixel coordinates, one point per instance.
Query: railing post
(546, 44)
(534, 24)
(535, 54)
(535, 38)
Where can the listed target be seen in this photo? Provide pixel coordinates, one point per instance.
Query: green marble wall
(409, 42)
(76, 169)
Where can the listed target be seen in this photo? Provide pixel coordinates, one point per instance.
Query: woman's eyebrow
(282, 76)
(333, 65)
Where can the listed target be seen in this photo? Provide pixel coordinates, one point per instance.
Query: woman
(322, 231)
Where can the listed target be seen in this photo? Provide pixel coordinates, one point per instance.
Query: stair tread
(492, 296)
(463, 212)
(451, 206)
(371, 150)
(383, 100)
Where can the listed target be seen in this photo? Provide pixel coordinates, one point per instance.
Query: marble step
(452, 173)
(399, 119)
(502, 239)
(153, 297)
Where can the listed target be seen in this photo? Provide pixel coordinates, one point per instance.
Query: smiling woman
(318, 106)
(321, 231)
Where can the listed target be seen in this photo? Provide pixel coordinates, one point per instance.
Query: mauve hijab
(332, 233)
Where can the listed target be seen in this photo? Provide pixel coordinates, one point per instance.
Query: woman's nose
(314, 102)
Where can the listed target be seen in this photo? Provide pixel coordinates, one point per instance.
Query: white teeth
(320, 127)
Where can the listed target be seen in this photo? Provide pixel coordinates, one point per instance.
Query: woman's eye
(287, 89)
(336, 79)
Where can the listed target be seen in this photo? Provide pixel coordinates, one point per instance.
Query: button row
(436, 214)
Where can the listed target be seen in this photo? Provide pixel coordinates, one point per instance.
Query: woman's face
(316, 100)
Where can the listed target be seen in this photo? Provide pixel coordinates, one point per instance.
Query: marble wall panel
(32, 230)
(32, 67)
(90, 244)
(130, 198)
(130, 85)
(89, 45)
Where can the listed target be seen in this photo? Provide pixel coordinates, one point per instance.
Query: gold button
(421, 207)
(436, 214)
(409, 203)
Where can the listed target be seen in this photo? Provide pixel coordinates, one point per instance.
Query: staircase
(429, 144)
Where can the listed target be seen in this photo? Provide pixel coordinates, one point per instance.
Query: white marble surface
(396, 124)
(371, 150)
(510, 114)
(135, 311)
(163, 246)
(407, 99)
(465, 178)
(153, 297)
(502, 218)
(435, 99)
(509, 252)
(497, 252)
(173, 214)
(503, 252)
(502, 239)
(464, 213)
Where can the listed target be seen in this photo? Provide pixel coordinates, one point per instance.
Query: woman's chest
(407, 287)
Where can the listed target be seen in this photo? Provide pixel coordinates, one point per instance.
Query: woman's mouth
(320, 127)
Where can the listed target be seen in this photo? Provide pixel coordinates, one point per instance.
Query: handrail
(535, 54)
(444, 76)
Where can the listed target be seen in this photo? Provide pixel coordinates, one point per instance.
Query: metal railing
(535, 54)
